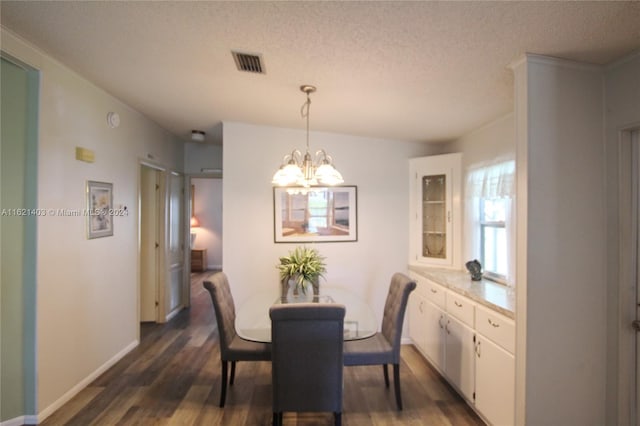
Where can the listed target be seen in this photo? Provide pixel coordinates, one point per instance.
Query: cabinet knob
(458, 304)
(493, 324)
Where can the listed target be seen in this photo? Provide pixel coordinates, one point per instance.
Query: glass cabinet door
(434, 220)
(436, 225)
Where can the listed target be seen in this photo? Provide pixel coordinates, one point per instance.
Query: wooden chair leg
(233, 372)
(386, 375)
(396, 383)
(223, 383)
(276, 419)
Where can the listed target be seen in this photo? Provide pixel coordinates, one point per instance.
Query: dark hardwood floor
(173, 378)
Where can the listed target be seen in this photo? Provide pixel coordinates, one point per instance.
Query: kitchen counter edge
(497, 297)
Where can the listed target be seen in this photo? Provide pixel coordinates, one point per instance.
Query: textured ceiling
(420, 71)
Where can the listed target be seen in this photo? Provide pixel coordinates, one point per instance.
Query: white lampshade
(328, 175)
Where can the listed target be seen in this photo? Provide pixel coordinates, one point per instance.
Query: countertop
(498, 297)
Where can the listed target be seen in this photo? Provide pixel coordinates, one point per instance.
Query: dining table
(253, 321)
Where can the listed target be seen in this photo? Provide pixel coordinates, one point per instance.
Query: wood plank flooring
(173, 378)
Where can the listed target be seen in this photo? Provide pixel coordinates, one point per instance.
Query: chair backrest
(307, 356)
(394, 309)
(223, 305)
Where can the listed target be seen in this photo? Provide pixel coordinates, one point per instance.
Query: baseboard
(18, 421)
(173, 313)
(31, 420)
(84, 383)
(406, 341)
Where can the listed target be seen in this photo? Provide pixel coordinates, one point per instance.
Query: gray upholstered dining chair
(307, 358)
(232, 347)
(384, 347)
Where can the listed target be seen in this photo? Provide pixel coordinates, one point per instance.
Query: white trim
(560, 62)
(173, 313)
(627, 191)
(31, 420)
(19, 421)
(84, 382)
(16, 421)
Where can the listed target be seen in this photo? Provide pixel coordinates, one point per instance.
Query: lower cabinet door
(434, 332)
(417, 321)
(459, 364)
(495, 382)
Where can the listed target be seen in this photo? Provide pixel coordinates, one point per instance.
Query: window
(493, 238)
(489, 200)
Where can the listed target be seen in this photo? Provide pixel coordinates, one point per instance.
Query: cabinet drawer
(498, 328)
(461, 308)
(435, 293)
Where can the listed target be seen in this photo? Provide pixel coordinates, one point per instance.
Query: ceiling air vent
(248, 62)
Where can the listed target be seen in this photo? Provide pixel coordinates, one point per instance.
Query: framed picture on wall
(99, 209)
(318, 214)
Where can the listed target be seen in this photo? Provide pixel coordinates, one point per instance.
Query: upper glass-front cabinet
(435, 210)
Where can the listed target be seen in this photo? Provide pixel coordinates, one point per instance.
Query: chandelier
(299, 170)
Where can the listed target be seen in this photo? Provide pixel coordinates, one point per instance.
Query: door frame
(214, 174)
(161, 219)
(628, 238)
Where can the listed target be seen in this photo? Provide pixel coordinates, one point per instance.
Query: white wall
(87, 290)
(379, 168)
(208, 210)
(622, 112)
(198, 156)
(494, 140)
(560, 308)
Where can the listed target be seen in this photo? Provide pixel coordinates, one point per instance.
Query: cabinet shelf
(434, 202)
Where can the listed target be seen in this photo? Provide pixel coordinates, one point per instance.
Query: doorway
(206, 237)
(18, 243)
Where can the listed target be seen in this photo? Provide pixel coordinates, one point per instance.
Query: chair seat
(374, 350)
(245, 350)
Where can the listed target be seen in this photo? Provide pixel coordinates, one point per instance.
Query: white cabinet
(495, 382)
(495, 367)
(471, 345)
(435, 335)
(417, 320)
(460, 362)
(460, 354)
(427, 320)
(436, 216)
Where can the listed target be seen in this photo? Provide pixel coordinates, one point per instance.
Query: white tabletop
(253, 322)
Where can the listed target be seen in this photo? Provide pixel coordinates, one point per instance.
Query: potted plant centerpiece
(304, 266)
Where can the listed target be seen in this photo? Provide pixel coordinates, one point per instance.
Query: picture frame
(99, 209)
(317, 214)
